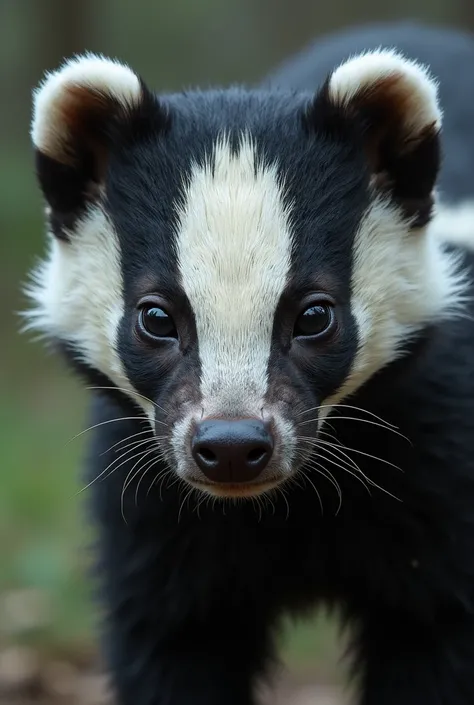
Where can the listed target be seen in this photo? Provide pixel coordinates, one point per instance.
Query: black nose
(232, 451)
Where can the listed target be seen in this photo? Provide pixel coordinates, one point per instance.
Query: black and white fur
(235, 207)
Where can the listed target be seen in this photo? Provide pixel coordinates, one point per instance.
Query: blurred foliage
(43, 540)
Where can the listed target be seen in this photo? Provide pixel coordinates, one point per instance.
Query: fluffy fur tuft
(402, 282)
(408, 83)
(61, 95)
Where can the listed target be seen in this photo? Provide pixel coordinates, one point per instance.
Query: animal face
(237, 262)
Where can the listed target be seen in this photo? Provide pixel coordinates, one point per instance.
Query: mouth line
(236, 489)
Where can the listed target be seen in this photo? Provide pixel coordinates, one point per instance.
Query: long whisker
(268, 499)
(127, 438)
(132, 392)
(130, 478)
(129, 447)
(320, 442)
(348, 406)
(201, 500)
(308, 479)
(373, 457)
(346, 469)
(103, 423)
(161, 475)
(366, 478)
(341, 448)
(380, 419)
(186, 497)
(139, 442)
(345, 465)
(327, 474)
(111, 464)
(141, 454)
(145, 469)
(353, 418)
(258, 502)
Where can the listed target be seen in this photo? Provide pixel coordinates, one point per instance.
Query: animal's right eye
(155, 323)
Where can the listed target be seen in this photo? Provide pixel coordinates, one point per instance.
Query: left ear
(392, 104)
(82, 111)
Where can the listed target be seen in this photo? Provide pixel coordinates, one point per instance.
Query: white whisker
(145, 469)
(319, 442)
(103, 423)
(281, 491)
(346, 469)
(308, 479)
(127, 438)
(186, 497)
(366, 478)
(327, 474)
(353, 418)
(131, 476)
(109, 466)
(348, 406)
(132, 392)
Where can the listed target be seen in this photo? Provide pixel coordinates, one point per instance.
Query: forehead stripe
(234, 251)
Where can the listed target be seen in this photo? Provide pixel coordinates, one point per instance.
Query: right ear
(80, 111)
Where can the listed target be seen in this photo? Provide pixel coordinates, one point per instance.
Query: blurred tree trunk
(296, 22)
(52, 30)
(65, 28)
(465, 14)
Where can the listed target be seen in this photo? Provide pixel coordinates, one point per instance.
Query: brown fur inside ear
(85, 124)
(402, 152)
(384, 109)
(87, 116)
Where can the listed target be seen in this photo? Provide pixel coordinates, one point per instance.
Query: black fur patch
(95, 125)
(405, 164)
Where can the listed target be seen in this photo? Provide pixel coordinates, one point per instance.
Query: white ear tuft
(82, 112)
(56, 98)
(387, 105)
(387, 69)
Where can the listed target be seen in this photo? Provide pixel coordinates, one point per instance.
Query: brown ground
(26, 681)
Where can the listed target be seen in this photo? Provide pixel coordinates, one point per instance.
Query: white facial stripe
(401, 281)
(77, 296)
(234, 247)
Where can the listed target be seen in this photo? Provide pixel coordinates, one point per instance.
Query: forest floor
(26, 681)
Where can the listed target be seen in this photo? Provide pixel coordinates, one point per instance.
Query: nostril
(207, 455)
(257, 455)
(234, 450)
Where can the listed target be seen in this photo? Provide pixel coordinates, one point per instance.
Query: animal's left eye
(154, 322)
(316, 320)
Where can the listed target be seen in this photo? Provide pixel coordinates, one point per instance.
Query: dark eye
(154, 322)
(316, 320)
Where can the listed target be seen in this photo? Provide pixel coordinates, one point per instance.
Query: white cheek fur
(401, 281)
(77, 297)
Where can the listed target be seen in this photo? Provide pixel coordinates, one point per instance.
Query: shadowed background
(46, 616)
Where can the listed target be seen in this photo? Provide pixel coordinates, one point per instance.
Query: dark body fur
(193, 598)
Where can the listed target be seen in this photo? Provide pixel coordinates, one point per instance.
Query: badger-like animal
(261, 286)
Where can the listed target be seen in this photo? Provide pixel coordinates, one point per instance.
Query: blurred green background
(44, 603)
